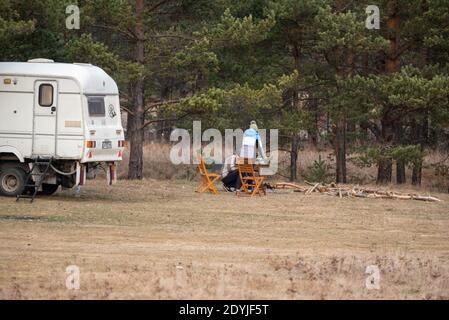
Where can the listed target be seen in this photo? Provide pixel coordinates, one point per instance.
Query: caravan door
(44, 123)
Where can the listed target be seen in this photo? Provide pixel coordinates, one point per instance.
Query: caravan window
(45, 95)
(96, 106)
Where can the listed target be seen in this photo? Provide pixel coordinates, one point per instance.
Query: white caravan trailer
(59, 123)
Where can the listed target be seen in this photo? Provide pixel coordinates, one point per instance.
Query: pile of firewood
(352, 191)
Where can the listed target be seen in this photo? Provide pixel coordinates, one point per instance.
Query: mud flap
(111, 174)
(80, 174)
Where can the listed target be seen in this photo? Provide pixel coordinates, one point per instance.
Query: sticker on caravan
(72, 124)
(111, 111)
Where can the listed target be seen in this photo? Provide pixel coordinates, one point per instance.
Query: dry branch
(287, 185)
(342, 191)
(312, 189)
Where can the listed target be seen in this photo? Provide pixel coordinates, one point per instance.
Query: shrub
(318, 172)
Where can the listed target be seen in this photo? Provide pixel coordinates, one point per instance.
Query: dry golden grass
(157, 165)
(158, 239)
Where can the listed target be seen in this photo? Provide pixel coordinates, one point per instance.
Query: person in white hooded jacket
(252, 140)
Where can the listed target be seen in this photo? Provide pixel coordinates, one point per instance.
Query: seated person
(230, 174)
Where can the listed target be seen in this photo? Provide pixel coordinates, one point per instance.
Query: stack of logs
(352, 191)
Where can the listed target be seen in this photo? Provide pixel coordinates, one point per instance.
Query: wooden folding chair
(207, 179)
(251, 182)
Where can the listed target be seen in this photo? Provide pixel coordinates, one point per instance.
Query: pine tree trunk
(340, 150)
(384, 171)
(400, 172)
(136, 120)
(136, 135)
(340, 128)
(316, 135)
(385, 165)
(420, 132)
(296, 107)
(392, 59)
(400, 164)
(294, 158)
(417, 174)
(417, 136)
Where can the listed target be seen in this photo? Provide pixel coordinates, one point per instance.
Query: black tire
(48, 189)
(12, 181)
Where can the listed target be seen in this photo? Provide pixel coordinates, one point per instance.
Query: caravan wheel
(12, 181)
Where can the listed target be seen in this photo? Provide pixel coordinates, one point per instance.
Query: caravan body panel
(45, 111)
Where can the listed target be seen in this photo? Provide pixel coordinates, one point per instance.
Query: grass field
(158, 239)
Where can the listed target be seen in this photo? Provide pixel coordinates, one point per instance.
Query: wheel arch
(11, 153)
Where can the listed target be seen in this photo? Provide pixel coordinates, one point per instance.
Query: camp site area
(158, 239)
(232, 149)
